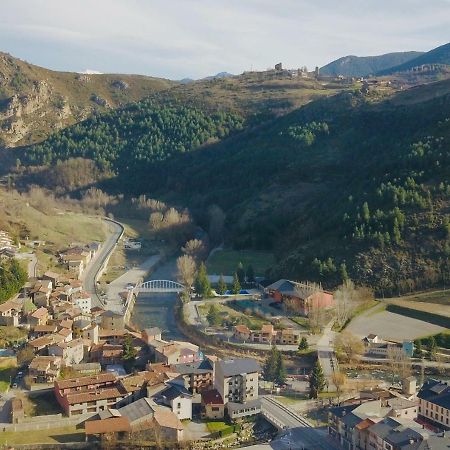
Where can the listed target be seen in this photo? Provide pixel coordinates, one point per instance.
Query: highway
(298, 434)
(90, 274)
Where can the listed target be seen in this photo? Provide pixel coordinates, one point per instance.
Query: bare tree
(398, 362)
(348, 346)
(195, 248)
(186, 273)
(339, 380)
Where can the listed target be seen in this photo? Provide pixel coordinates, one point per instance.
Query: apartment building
(236, 380)
(434, 403)
(87, 394)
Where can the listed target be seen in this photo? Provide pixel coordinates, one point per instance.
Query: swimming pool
(6, 352)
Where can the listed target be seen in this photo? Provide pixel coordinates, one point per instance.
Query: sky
(196, 38)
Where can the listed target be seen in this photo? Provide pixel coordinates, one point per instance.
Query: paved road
(32, 263)
(89, 275)
(326, 354)
(132, 276)
(299, 434)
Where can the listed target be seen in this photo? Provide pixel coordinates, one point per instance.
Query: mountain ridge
(361, 66)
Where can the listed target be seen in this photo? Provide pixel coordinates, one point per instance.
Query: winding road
(90, 274)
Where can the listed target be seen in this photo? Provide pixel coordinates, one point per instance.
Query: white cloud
(177, 38)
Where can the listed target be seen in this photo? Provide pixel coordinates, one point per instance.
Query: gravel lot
(389, 325)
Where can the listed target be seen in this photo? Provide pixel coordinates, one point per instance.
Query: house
(112, 321)
(198, 376)
(213, 406)
(83, 301)
(265, 336)
(38, 317)
(75, 267)
(174, 352)
(242, 332)
(300, 298)
(151, 334)
(268, 335)
(108, 429)
(178, 398)
(86, 329)
(71, 352)
(434, 403)
(355, 426)
(41, 343)
(10, 313)
(88, 394)
(45, 369)
(54, 277)
(87, 368)
(168, 427)
(139, 412)
(42, 330)
(237, 380)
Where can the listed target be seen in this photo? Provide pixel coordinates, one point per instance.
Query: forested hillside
(338, 188)
(145, 132)
(344, 186)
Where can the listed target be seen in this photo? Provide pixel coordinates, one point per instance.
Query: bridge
(159, 286)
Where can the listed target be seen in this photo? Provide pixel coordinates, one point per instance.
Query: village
(262, 363)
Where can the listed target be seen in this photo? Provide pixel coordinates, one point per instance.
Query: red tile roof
(112, 425)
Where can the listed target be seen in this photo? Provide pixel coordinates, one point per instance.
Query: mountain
(345, 184)
(361, 66)
(439, 55)
(35, 102)
(219, 75)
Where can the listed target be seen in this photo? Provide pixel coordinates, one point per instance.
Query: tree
(346, 301)
(339, 379)
(344, 273)
(303, 345)
(129, 353)
(316, 380)
(432, 348)
(221, 286)
(418, 350)
(213, 317)
(348, 346)
(25, 356)
(274, 369)
(186, 273)
(202, 284)
(240, 273)
(236, 284)
(250, 274)
(280, 375)
(270, 365)
(195, 248)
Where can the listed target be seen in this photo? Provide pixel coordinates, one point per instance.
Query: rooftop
(112, 425)
(85, 381)
(238, 366)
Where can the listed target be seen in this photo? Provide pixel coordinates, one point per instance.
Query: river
(157, 310)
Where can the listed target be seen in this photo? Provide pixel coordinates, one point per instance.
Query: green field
(6, 375)
(216, 426)
(52, 436)
(226, 261)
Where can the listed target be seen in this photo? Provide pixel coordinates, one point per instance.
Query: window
(178, 405)
(216, 408)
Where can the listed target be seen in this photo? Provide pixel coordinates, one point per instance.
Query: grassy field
(435, 297)
(424, 307)
(8, 370)
(229, 313)
(226, 261)
(216, 426)
(52, 436)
